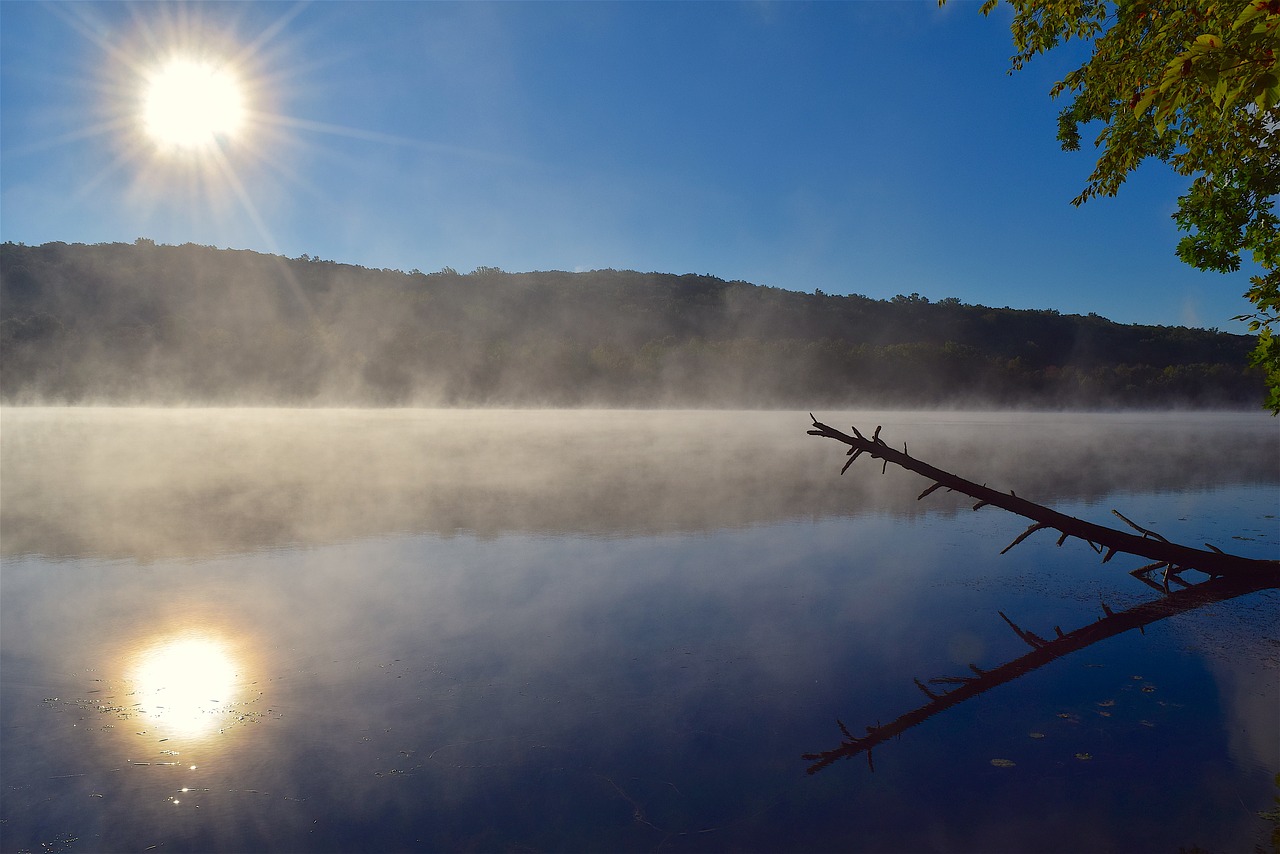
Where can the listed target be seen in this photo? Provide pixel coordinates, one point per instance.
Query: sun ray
(78, 23)
(391, 139)
(255, 217)
(287, 169)
(255, 47)
(119, 164)
(104, 128)
(246, 201)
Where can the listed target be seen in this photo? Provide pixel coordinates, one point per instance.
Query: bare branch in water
(1230, 576)
(1106, 541)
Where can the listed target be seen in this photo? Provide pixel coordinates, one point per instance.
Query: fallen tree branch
(1107, 541)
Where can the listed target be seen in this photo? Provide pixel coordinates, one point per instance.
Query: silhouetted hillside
(140, 322)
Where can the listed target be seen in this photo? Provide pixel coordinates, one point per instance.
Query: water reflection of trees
(941, 698)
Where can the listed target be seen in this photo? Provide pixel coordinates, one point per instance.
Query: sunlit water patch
(184, 683)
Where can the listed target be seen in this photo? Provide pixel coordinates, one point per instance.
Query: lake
(522, 630)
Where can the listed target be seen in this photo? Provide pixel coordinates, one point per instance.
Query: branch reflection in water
(1043, 652)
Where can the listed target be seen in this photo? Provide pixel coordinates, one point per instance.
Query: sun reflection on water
(186, 682)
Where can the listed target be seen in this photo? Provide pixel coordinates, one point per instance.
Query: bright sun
(190, 105)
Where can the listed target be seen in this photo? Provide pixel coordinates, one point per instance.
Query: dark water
(246, 630)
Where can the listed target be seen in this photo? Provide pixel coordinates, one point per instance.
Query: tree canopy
(1195, 84)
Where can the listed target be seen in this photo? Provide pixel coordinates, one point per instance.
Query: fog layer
(149, 483)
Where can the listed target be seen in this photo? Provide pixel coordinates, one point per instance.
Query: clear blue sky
(866, 147)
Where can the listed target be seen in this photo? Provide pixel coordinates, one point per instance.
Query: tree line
(149, 323)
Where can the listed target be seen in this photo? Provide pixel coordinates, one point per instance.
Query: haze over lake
(251, 629)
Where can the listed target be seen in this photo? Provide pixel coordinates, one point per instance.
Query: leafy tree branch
(1196, 85)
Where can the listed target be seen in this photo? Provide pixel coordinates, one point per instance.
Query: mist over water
(613, 630)
(145, 483)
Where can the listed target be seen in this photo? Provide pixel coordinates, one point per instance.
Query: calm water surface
(246, 630)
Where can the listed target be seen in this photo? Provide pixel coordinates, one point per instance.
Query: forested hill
(146, 323)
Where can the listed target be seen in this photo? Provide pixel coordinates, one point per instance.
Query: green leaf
(1145, 101)
(1219, 93)
(1250, 11)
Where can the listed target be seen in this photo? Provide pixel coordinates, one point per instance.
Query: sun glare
(185, 682)
(191, 105)
(190, 101)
